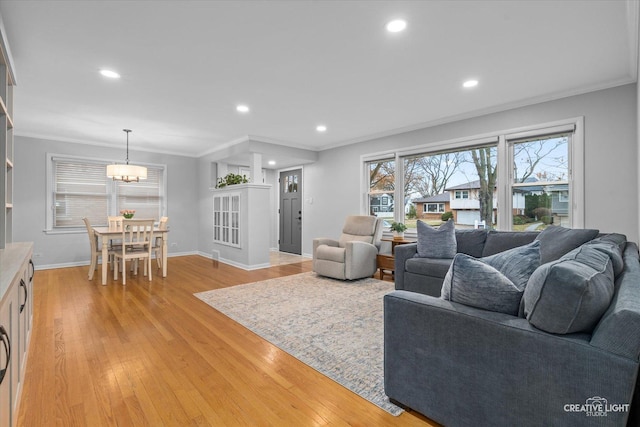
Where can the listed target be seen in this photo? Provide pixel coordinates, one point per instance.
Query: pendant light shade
(127, 172)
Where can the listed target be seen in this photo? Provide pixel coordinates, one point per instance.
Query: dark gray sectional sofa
(464, 366)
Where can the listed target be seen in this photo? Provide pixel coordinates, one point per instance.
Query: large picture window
(80, 188)
(524, 179)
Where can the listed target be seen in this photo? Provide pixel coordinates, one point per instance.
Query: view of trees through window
(462, 185)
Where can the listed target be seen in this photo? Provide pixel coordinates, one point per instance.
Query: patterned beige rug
(333, 326)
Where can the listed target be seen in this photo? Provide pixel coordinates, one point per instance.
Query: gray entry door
(291, 211)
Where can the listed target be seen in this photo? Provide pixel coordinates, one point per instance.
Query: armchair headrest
(361, 228)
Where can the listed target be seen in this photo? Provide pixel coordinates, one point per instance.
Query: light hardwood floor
(151, 354)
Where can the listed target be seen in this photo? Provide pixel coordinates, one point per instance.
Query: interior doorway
(290, 239)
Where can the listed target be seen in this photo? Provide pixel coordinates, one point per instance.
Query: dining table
(107, 233)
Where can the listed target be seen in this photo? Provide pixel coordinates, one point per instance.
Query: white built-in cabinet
(16, 321)
(226, 219)
(7, 81)
(241, 228)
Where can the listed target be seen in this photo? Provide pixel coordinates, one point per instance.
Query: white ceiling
(186, 64)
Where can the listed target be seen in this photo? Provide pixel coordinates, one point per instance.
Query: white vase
(398, 235)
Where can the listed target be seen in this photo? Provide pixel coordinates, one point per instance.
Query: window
(522, 179)
(465, 177)
(381, 177)
(80, 188)
(540, 180)
(433, 208)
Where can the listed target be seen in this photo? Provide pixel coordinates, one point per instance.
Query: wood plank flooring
(151, 354)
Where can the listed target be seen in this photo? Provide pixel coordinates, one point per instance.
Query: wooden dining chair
(93, 244)
(157, 245)
(114, 244)
(115, 221)
(137, 243)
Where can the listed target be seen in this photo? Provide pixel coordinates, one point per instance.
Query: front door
(291, 211)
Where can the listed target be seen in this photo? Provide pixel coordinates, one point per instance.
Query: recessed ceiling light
(396, 25)
(470, 83)
(242, 109)
(109, 73)
(321, 128)
(272, 162)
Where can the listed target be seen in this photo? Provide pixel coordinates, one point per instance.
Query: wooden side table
(385, 261)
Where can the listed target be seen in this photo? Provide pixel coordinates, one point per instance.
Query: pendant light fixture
(127, 172)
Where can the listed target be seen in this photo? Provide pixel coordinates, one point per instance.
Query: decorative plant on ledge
(398, 229)
(231, 179)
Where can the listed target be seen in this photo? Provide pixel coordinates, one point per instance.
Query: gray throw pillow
(436, 242)
(571, 294)
(556, 241)
(494, 283)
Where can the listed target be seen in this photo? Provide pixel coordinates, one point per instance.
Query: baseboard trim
(236, 264)
(88, 262)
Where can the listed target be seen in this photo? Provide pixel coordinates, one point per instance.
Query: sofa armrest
(360, 259)
(322, 241)
(464, 366)
(402, 254)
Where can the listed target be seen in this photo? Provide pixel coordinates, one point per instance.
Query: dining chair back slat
(137, 243)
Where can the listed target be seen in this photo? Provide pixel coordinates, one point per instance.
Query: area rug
(333, 326)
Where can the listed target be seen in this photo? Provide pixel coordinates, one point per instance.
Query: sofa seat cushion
(500, 241)
(571, 294)
(494, 283)
(330, 253)
(435, 267)
(556, 241)
(436, 242)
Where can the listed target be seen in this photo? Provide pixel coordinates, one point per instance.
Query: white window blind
(144, 197)
(80, 188)
(80, 191)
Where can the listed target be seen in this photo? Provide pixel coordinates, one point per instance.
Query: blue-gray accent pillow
(494, 283)
(571, 294)
(556, 241)
(436, 242)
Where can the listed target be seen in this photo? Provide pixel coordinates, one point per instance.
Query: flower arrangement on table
(127, 213)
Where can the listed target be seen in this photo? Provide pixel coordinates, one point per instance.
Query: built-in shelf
(7, 178)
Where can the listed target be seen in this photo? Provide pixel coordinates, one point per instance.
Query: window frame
(439, 205)
(112, 195)
(501, 139)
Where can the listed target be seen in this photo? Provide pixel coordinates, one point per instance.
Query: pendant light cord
(127, 131)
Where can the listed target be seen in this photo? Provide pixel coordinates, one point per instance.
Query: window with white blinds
(144, 197)
(80, 188)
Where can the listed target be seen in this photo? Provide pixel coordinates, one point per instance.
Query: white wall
(70, 249)
(611, 161)
(332, 184)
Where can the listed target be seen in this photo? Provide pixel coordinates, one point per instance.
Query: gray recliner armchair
(353, 256)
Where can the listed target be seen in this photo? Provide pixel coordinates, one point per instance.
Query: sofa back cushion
(471, 242)
(556, 241)
(436, 242)
(499, 241)
(571, 294)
